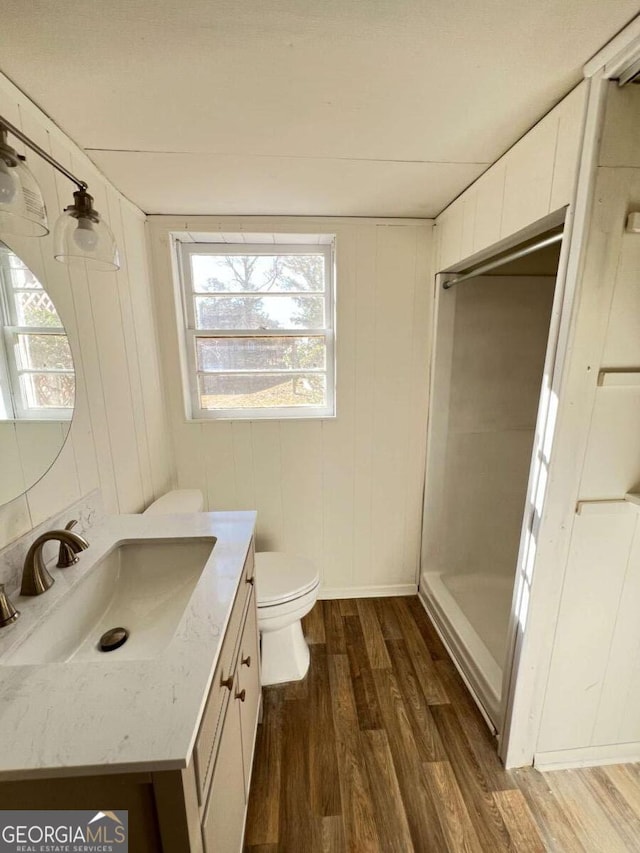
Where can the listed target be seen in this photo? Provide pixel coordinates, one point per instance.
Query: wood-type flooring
(381, 748)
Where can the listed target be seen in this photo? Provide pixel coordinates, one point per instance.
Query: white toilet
(286, 590)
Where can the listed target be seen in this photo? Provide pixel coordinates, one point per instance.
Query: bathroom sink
(141, 585)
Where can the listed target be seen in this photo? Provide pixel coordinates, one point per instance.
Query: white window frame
(185, 250)
(10, 371)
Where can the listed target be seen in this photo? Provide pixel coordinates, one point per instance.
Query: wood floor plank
(550, 816)
(264, 802)
(296, 829)
(296, 690)
(432, 687)
(332, 835)
(387, 619)
(313, 625)
(374, 641)
(482, 808)
(324, 794)
(482, 742)
(590, 822)
(364, 691)
(458, 829)
(357, 810)
(626, 782)
(634, 770)
(333, 628)
(349, 606)
(421, 809)
(388, 807)
(425, 732)
(614, 804)
(519, 821)
(429, 634)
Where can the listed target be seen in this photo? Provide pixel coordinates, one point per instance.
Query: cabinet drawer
(224, 683)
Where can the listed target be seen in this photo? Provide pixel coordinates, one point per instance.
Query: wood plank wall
(118, 439)
(591, 710)
(346, 492)
(533, 178)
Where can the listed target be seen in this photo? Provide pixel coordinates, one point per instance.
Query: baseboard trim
(588, 756)
(329, 592)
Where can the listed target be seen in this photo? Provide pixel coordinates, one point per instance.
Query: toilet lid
(282, 577)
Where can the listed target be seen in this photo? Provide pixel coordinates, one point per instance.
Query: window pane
(262, 391)
(49, 390)
(19, 272)
(44, 352)
(36, 309)
(259, 312)
(262, 354)
(264, 273)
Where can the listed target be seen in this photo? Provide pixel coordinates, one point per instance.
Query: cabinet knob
(251, 580)
(242, 695)
(246, 661)
(227, 682)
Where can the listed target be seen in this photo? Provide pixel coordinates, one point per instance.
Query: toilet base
(284, 654)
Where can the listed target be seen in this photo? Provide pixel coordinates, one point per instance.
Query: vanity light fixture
(80, 236)
(22, 208)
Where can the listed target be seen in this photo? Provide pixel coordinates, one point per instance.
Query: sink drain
(113, 639)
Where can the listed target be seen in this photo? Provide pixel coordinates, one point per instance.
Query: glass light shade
(22, 209)
(82, 237)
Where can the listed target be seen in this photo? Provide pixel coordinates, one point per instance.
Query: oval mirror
(37, 379)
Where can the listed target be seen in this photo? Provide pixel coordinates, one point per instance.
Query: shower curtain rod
(505, 259)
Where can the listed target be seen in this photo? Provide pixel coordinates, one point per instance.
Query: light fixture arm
(80, 234)
(6, 125)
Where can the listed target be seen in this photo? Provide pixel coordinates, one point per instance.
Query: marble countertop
(81, 717)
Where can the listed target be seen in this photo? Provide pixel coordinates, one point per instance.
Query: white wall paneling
(575, 653)
(595, 453)
(118, 438)
(593, 691)
(534, 178)
(574, 688)
(344, 491)
(601, 664)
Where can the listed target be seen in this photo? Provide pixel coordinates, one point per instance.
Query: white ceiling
(343, 107)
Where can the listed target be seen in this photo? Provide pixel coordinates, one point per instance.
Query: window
(37, 379)
(259, 329)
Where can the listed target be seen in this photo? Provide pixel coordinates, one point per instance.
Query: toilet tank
(178, 500)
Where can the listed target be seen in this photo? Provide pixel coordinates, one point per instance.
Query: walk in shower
(491, 340)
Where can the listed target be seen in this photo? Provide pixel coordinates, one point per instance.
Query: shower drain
(113, 639)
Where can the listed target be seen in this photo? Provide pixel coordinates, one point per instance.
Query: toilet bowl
(178, 500)
(286, 590)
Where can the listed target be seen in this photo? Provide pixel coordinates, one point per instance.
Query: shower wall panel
(499, 342)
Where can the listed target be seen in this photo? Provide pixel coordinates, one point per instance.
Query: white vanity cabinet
(202, 807)
(224, 778)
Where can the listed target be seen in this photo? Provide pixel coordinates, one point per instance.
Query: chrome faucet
(35, 577)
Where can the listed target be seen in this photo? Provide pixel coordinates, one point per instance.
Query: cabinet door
(223, 824)
(249, 687)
